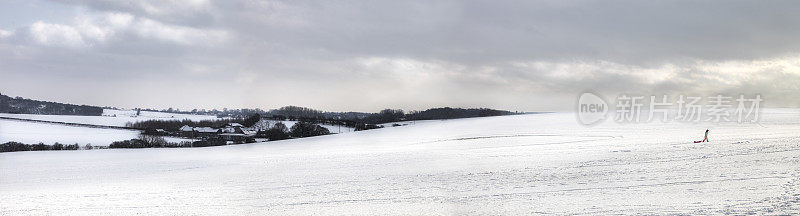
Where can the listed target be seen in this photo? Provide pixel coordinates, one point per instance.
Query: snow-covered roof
(228, 130)
(205, 130)
(239, 134)
(235, 125)
(186, 128)
(232, 134)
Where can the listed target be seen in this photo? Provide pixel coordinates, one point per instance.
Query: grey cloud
(431, 53)
(188, 12)
(623, 31)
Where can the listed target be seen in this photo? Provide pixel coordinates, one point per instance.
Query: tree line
(151, 141)
(19, 105)
(175, 125)
(149, 126)
(371, 120)
(301, 129)
(16, 146)
(357, 120)
(395, 115)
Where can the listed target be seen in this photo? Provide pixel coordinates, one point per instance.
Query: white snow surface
(111, 117)
(47, 133)
(34, 132)
(508, 165)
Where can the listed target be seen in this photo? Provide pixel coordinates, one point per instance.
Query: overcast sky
(369, 55)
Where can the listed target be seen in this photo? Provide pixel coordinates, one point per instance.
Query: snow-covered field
(33, 132)
(111, 117)
(518, 165)
(36, 132)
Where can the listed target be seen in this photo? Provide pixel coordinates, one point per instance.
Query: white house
(187, 128)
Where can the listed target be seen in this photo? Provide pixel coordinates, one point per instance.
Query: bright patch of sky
(21, 13)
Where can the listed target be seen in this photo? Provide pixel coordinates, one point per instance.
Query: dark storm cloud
(494, 31)
(366, 55)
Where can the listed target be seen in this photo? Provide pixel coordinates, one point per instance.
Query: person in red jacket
(705, 139)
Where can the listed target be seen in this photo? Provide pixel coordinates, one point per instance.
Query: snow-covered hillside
(36, 132)
(111, 117)
(509, 165)
(33, 132)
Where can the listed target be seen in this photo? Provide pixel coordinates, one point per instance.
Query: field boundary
(71, 124)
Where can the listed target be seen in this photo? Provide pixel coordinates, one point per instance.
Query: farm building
(231, 132)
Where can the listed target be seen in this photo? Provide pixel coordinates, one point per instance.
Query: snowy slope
(517, 165)
(111, 117)
(36, 132)
(32, 133)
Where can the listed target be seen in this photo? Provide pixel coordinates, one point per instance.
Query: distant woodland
(20, 105)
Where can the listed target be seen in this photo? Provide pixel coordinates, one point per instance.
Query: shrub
(307, 129)
(360, 127)
(185, 144)
(210, 142)
(72, 147)
(14, 146)
(133, 143)
(277, 132)
(40, 147)
(153, 141)
(252, 120)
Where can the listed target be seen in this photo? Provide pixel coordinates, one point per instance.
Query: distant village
(231, 132)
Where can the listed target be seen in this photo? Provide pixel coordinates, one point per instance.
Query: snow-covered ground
(509, 165)
(111, 117)
(33, 132)
(36, 132)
